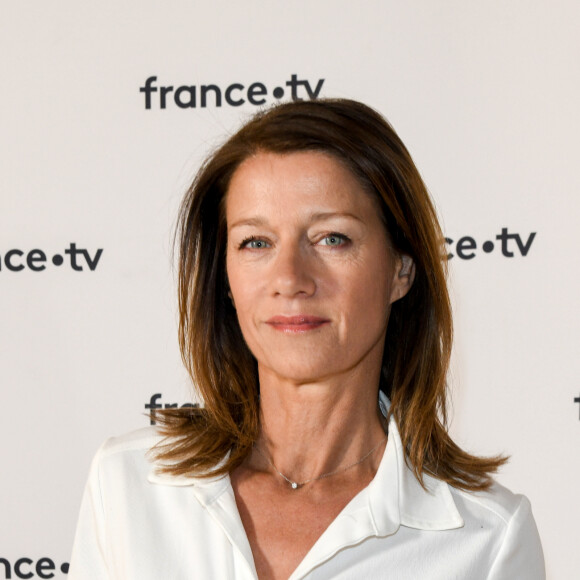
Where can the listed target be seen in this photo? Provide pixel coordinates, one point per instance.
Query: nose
(293, 273)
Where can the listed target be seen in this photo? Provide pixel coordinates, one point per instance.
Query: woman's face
(311, 272)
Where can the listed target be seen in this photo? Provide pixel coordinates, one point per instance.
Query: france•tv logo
(36, 260)
(234, 95)
(26, 568)
(508, 243)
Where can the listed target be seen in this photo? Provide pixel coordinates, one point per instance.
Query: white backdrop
(484, 94)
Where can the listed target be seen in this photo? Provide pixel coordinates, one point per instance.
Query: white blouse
(137, 525)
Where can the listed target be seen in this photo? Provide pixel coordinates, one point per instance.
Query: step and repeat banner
(107, 110)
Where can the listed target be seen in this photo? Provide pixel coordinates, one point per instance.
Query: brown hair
(419, 332)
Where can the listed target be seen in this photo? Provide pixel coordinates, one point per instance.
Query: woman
(315, 323)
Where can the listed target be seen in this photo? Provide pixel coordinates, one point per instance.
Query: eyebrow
(315, 217)
(255, 221)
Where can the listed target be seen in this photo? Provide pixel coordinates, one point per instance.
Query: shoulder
(507, 519)
(130, 451)
(497, 504)
(139, 440)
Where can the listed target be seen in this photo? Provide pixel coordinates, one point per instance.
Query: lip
(297, 323)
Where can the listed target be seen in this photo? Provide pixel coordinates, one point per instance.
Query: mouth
(299, 323)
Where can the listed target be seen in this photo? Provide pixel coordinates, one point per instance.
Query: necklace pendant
(294, 485)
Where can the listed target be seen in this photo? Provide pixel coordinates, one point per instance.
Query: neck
(312, 429)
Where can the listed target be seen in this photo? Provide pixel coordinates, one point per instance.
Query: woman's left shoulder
(496, 503)
(506, 519)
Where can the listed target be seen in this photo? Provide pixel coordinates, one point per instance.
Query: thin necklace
(297, 485)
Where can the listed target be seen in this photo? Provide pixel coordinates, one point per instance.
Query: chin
(301, 370)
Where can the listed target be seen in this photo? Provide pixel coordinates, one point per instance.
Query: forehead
(301, 180)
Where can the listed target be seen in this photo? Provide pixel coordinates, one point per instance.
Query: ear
(403, 277)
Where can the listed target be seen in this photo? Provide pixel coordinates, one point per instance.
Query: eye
(254, 243)
(334, 240)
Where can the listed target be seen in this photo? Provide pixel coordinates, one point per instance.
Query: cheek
(235, 279)
(368, 295)
(243, 291)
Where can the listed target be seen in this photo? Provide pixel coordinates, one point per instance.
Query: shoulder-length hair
(215, 438)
